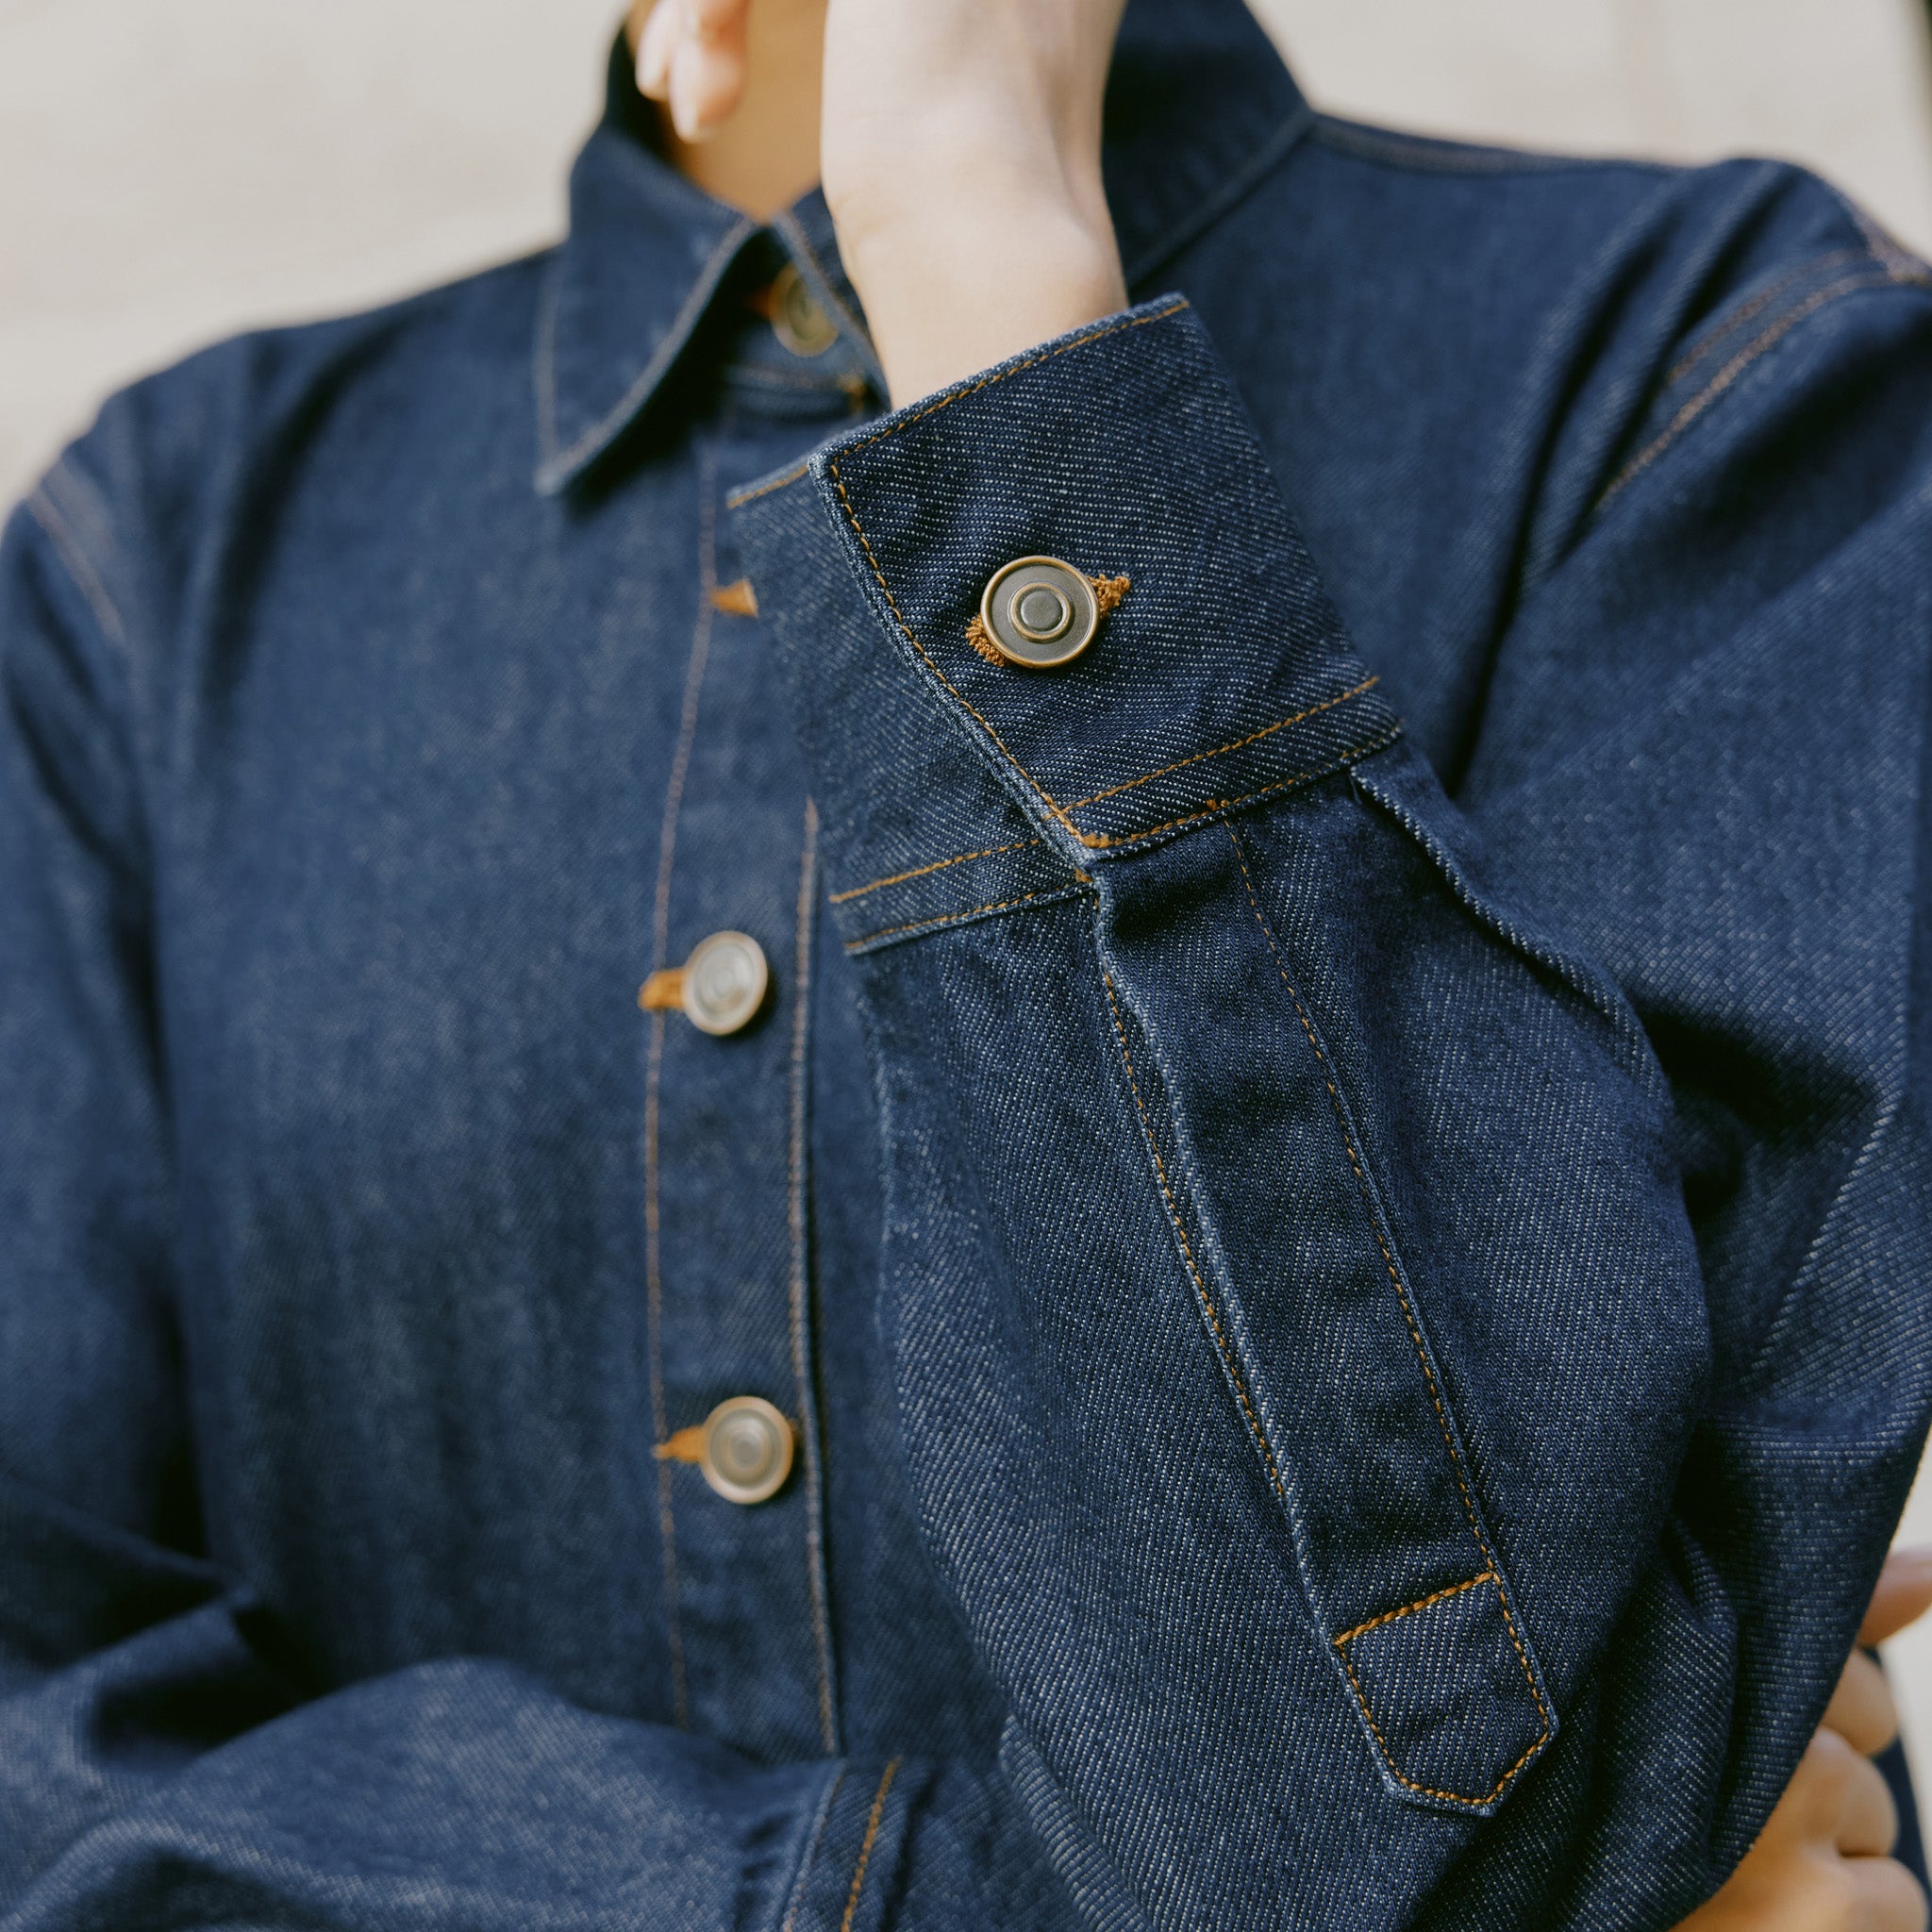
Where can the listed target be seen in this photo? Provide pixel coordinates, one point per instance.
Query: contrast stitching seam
(971, 912)
(1900, 263)
(1240, 1387)
(1093, 841)
(960, 395)
(919, 871)
(1728, 326)
(1849, 285)
(660, 933)
(987, 381)
(1430, 1790)
(1215, 806)
(743, 496)
(670, 346)
(1415, 1337)
(851, 516)
(1432, 157)
(872, 1832)
(1221, 750)
(899, 617)
(1422, 1603)
(811, 1851)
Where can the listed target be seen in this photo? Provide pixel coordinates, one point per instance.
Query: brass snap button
(725, 983)
(748, 1449)
(1038, 612)
(797, 319)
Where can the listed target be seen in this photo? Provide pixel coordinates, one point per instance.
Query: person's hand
(961, 159)
(1819, 1863)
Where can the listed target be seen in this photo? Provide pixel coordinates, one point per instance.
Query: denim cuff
(1220, 675)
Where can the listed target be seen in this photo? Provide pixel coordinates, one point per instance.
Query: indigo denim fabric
(1338, 1190)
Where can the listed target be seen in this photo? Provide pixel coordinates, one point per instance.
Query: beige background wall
(170, 173)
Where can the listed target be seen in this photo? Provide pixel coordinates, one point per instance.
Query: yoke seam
(1410, 1318)
(1725, 325)
(1873, 278)
(1432, 155)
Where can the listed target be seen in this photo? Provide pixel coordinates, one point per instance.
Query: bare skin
(765, 154)
(959, 154)
(1819, 1863)
(953, 134)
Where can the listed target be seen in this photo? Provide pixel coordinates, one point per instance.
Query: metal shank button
(748, 1449)
(797, 319)
(1038, 612)
(724, 982)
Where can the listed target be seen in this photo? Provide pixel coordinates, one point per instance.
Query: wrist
(959, 288)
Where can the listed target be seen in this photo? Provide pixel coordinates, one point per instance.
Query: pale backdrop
(170, 173)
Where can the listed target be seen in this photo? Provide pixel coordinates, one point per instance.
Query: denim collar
(1198, 107)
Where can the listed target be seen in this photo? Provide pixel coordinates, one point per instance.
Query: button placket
(734, 1447)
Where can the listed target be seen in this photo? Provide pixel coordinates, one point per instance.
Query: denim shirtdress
(1323, 1208)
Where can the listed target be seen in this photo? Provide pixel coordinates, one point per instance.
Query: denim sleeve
(161, 1763)
(1407, 1314)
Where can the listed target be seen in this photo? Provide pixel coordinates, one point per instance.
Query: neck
(767, 155)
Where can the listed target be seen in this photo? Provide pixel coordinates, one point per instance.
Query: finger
(706, 83)
(1861, 1709)
(656, 43)
(1867, 1824)
(1883, 1896)
(720, 23)
(1813, 1804)
(1903, 1595)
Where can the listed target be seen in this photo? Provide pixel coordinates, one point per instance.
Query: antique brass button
(724, 982)
(1038, 612)
(797, 319)
(748, 1449)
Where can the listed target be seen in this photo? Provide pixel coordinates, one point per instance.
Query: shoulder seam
(1444, 155)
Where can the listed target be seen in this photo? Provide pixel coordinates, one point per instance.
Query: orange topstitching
(872, 1832)
(1408, 1315)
